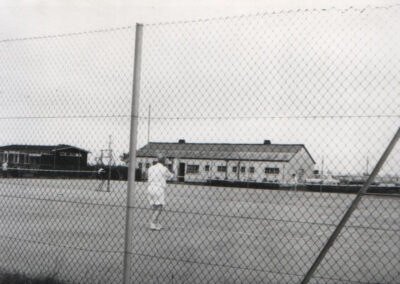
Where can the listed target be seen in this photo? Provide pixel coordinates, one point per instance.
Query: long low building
(200, 162)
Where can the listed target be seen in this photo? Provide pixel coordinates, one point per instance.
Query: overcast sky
(27, 18)
(204, 71)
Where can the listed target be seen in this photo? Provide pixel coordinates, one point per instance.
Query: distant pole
(109, 163)
(322, 166)
(101, 158)
(148, 125)
(226, 172)
(238, 170)
(132, 155)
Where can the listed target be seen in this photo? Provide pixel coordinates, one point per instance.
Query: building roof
(223, 151)
(18, 147)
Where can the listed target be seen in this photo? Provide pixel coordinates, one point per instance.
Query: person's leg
(100, 185)
(156, 212)
(159, 210)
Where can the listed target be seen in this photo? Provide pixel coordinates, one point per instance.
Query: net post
(132, 153)
(352, 207)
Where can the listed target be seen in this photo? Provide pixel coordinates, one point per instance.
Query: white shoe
(155, 227)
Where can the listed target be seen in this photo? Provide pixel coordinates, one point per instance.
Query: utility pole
(109, 163)
(101, 158)
(108, 156)
(322, 167)
(148, 125)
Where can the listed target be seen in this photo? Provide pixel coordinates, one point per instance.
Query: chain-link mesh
(65, 115)
(269, 124)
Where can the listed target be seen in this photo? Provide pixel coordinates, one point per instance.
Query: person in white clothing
(4, 168)
(158, 175)
(101, 174)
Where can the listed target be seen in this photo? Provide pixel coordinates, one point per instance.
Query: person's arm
(167, 174)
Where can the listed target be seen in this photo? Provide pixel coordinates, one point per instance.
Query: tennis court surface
(210, 234)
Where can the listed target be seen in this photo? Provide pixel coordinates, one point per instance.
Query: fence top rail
(106, 30)
(277, 12)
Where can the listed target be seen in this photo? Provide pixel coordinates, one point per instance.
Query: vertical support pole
(109, 163)
(132, 154)
(148, 125)
(352, 207)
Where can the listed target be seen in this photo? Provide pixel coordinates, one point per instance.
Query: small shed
(57, 157)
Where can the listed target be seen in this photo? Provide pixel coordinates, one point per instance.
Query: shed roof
(223, 151)
(20, 147)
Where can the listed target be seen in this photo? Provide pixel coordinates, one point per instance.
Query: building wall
(301, 165)
(72, 160)
(18, 158)
(301, 161)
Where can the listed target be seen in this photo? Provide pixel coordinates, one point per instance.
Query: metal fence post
(132, 154)
(352, 207)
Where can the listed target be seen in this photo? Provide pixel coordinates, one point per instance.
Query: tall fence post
(352, 207)
(132, 153)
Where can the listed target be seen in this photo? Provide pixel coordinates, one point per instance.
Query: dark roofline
(64, 146)
(239, 144)
(230, 144)
(41, 147)
(220, 159)
(309, 154)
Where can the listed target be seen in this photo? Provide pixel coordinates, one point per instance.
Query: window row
(194, 169)
(147, 165)
(24, 158)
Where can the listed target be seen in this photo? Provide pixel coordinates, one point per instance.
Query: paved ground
(210, 235)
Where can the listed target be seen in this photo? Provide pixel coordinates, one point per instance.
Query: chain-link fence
(65, 121)
(270, 125)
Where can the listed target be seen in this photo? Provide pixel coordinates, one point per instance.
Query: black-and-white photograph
(213, 141)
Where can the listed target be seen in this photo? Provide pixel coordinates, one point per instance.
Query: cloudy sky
(27, 18)
(303, 78)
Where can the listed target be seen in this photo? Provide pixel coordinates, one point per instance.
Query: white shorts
(156, 196)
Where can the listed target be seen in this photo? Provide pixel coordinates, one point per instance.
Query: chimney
(267, 142)
(181, 141)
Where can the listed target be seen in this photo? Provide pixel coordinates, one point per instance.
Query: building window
(207, 168)
(221, 169)
(147, 165)
(26, 159)
(234, 169)
(192, 169)
(242, 169)
(140, 165)
(34, 158)
(154, 162)
(251, 170)
(12, 157)
(70, 154)
(273, 171)
(21, 158)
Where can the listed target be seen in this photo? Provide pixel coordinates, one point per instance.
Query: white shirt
(158, 175)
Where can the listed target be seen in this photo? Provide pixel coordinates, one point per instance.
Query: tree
(125, 158)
